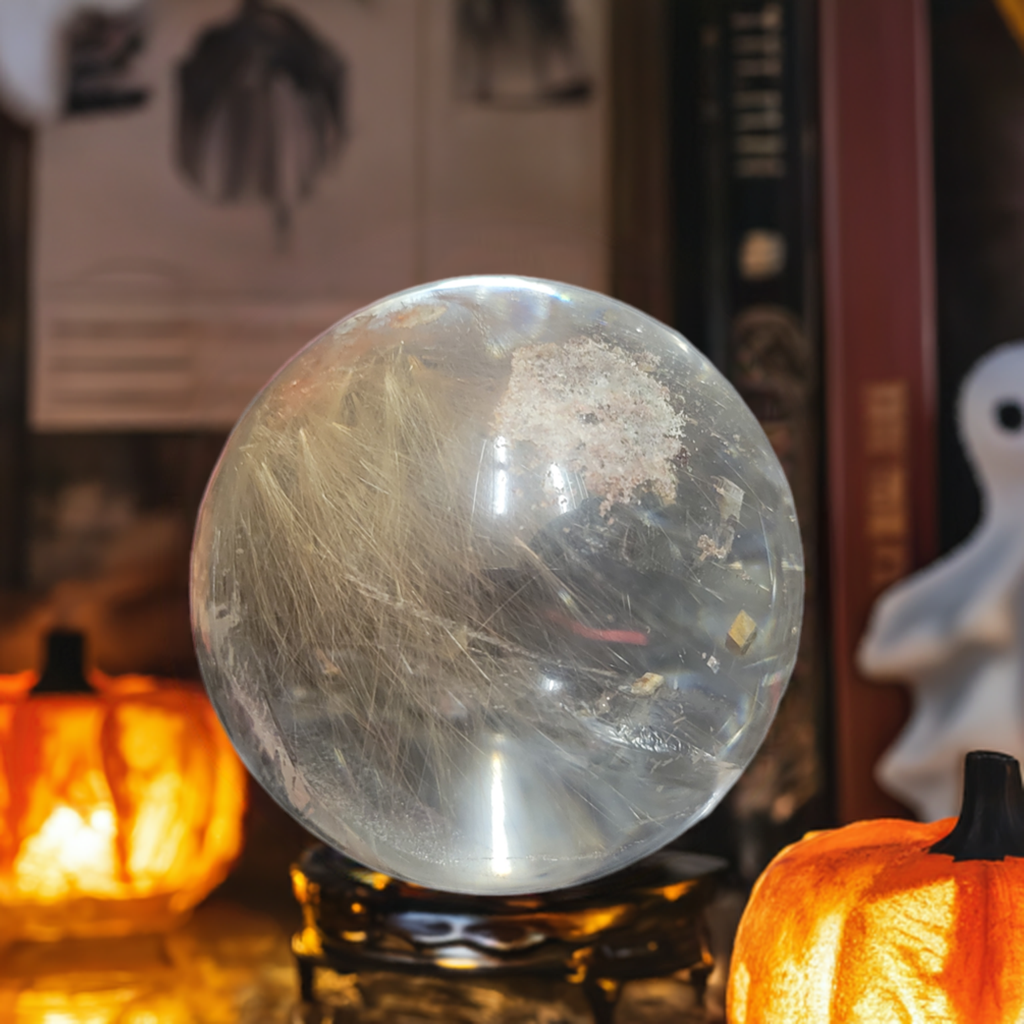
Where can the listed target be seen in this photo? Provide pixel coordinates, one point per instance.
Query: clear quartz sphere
(497, 585)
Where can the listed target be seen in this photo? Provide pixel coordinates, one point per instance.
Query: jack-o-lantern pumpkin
(893, 921)
(121, 800)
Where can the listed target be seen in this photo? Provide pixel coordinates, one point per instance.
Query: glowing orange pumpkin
(893, 921)
(121, 800)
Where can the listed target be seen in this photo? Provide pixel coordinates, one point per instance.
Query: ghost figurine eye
(1010, 415)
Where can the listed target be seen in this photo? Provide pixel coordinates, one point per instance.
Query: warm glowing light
(864, 926)
(500, 863)
(228, 965)
(69, 854)
(131, 797)
(456, 963)
(909, 965)
(677, 891)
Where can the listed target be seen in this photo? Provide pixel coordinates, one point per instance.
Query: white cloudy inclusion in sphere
(497, 585)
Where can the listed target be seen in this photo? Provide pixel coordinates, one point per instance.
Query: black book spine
(759, 113)
(758, 110)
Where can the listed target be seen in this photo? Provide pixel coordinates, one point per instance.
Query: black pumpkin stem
(64, 671)
(991, 823)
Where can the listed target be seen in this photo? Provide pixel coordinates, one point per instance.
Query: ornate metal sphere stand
(589, 947)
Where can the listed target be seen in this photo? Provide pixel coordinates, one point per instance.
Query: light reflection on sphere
(497, 585)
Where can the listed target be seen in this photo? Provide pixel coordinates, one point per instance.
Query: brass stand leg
(307, 974)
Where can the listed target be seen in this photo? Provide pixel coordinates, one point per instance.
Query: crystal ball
(497, 585)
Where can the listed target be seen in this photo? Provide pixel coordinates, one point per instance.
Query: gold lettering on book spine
(885, 411)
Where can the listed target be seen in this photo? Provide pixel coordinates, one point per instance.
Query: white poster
(232, 176)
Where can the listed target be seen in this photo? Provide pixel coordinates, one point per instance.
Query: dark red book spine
(878, 252)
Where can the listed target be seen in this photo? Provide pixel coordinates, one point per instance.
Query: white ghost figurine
(32, 73)
(955, 630)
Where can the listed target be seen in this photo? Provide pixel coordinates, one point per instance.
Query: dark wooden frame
(641, 212)
(15, 168)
